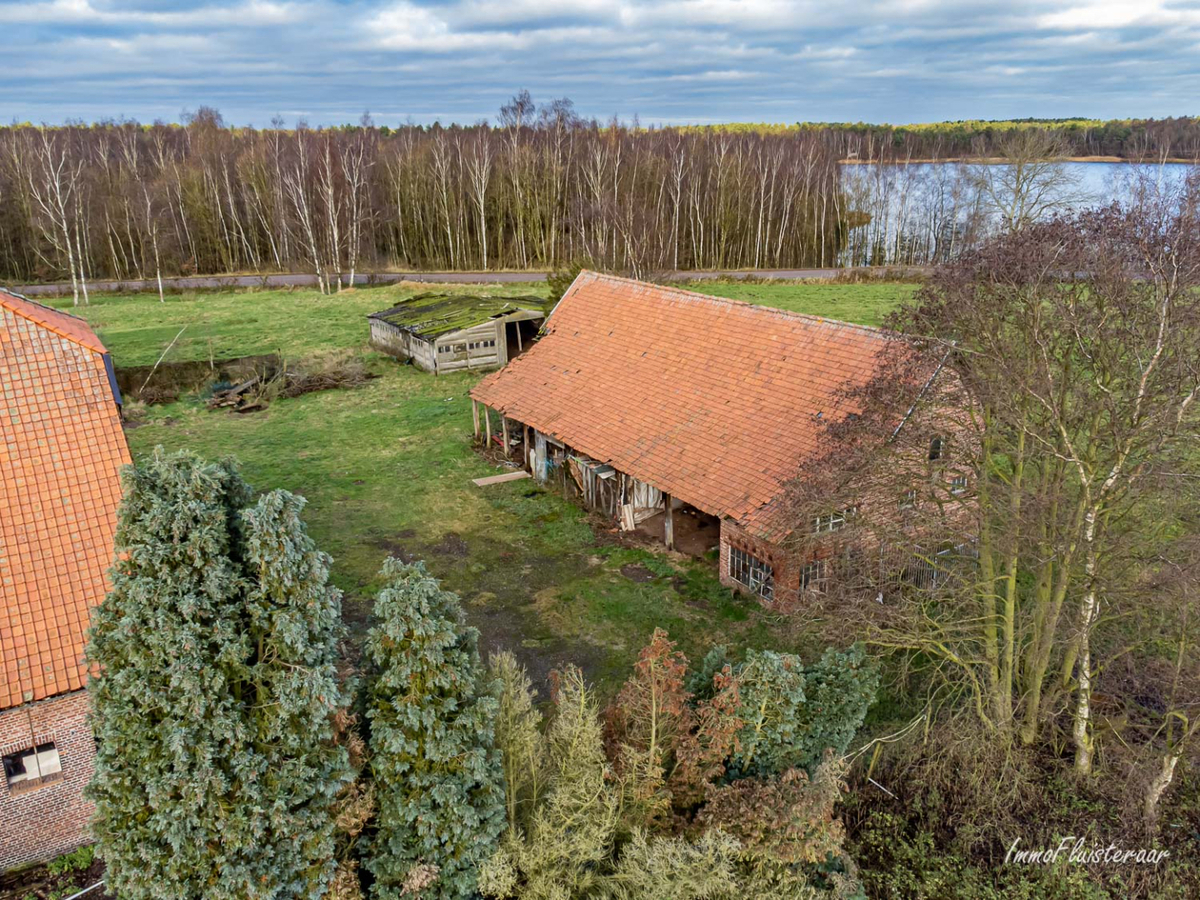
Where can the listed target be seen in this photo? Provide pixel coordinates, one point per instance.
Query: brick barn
(61, 451)
(665, 407)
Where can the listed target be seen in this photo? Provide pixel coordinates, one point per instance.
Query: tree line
(1143, 140)
(541, 187)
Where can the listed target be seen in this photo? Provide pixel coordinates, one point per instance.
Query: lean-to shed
(449, 332)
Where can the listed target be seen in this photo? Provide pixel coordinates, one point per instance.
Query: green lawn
(386, 469)
(865, 304)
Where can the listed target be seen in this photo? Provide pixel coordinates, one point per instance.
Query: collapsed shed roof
(717, 402)
(433, 315)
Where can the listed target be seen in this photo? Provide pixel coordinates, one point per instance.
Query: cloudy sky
(670, 62)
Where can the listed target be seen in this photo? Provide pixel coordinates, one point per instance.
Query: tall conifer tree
(215, 686)
(438, 775)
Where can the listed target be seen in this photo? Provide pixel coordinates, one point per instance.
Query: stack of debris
(241, 398)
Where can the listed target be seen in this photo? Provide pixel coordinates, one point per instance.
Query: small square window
(814, 575)
(37, 765)
(909, 500)
(835, 521)
(958, 485)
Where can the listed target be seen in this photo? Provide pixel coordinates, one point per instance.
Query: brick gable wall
(50, 819)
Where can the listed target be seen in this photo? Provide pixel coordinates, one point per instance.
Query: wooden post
(520, 346)
(668, 522)
(475, 415)
(504, 423)
(487, 418)
(526, 448)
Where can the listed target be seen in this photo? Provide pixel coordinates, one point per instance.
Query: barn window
(752, 573)
(958, 485)
(834, 521)
(937, 448)
(34, 766)
(814, 575)
(909, 500)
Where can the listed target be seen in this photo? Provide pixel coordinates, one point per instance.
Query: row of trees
(122, 200)
(234, 762)
(1144, 140)
(1046, 484)
(910, 213)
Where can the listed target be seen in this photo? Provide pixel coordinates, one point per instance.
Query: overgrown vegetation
(665, 796)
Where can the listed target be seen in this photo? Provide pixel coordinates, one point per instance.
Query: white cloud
(675, 60)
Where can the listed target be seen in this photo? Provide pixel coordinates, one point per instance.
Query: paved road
(304, 280)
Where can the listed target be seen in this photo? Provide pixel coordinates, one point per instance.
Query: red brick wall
(50, 819)
(787, 573)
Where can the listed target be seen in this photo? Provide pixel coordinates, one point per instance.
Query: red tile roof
(714, 401)
(61, 450)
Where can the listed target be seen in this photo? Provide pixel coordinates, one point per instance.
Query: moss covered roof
(433, 315)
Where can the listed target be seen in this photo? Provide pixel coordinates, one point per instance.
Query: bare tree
(54, 183)
(1029, 180)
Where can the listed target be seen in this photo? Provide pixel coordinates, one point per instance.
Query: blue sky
(679, 61)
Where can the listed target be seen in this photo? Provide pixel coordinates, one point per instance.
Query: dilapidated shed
(450, 332)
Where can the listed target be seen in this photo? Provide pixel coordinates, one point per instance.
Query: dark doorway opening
(519, 335)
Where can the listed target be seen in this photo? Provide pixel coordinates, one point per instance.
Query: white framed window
(909, 500)
(958, 485)
(752, 573)
(834, 521)
(33, 766)
(814, 575)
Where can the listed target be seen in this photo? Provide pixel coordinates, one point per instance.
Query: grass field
(386, 469)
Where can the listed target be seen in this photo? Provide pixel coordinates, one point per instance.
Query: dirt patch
(451, 544)
(398, 545)
(637, 573)
(503, 628)
(171, 380)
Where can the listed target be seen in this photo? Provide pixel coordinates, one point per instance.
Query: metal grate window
(752, 573)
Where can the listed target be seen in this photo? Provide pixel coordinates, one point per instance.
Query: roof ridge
(45, 306)
(757, 308)
(96, 347)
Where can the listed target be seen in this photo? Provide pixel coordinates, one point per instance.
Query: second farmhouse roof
(717, 402)
(61, 451)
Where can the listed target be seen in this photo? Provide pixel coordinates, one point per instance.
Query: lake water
(919, 213)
